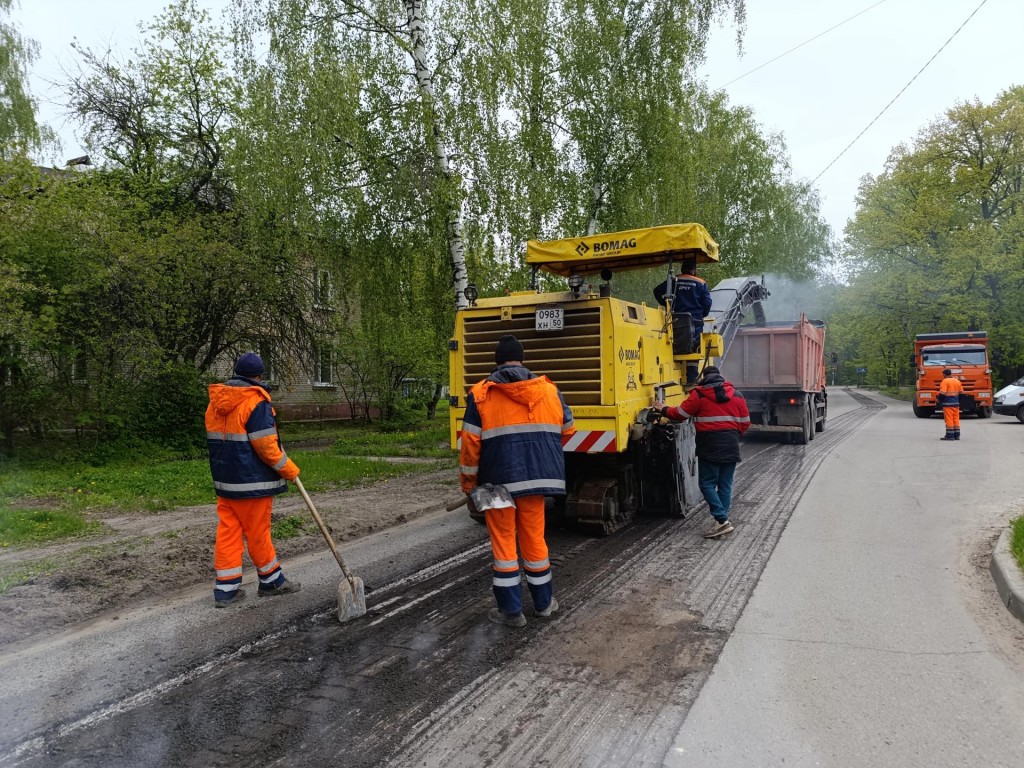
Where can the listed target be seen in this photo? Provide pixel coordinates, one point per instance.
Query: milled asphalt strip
(144, 697)
(140, 699)
(550, 707)
(1008, 575)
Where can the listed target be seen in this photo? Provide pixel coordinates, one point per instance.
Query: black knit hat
(250, 364)
(711, 370)
(947, 372)
(508, 349)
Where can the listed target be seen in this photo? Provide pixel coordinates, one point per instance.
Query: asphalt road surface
(425, 680)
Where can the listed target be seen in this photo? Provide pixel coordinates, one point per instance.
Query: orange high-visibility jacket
(246, 458)
(949, 392)
(512, 434)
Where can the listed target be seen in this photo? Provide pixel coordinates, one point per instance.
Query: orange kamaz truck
(965, 353)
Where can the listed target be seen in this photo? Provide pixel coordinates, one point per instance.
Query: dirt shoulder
(139, 556)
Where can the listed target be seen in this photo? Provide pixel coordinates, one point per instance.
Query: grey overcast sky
(819, 97)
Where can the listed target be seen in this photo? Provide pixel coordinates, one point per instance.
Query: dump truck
(611, 358)
(779, 367)
(965, 354)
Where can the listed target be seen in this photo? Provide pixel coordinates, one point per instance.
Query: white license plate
(549, 319)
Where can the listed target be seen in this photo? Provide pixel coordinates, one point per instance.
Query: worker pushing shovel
(249, 468)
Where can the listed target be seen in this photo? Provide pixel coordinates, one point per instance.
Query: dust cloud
(789, 299)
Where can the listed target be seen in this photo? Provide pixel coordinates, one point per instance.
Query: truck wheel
(923, 412)
(984, 412)
(820, 426)
(1020, 413)
(803, 437)
(810, 421)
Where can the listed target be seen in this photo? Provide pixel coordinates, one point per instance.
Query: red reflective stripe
(584, 440)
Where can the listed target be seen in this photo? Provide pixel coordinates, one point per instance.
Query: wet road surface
(425, 680)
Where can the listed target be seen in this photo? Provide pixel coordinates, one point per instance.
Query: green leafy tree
(945, 224)
(19, 131)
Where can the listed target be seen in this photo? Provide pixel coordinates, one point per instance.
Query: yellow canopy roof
(632, 249)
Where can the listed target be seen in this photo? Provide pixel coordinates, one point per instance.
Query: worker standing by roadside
(512, 436)
(949, 400)
(692, 297)
(720, 416)
(249, 468)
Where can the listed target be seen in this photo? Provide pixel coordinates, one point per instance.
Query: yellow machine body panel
(606, 360)
(617, 251)
(611, 359)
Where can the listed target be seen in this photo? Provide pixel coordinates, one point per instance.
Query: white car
(1009, 400)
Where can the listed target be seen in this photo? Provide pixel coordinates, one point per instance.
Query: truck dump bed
(777, 356)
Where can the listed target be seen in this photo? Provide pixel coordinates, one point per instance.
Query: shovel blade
(351, 599)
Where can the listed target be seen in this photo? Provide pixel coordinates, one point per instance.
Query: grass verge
(45, 499)
(1017, 540)
(19, 526)
(429, 442)
(287, 527)
(154, 486)
(899, 393)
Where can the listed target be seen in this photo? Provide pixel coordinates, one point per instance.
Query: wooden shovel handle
(461, 501)
(324, 531)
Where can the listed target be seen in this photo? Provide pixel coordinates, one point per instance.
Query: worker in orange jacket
(512, 435)
(949, 399)
(249, 468)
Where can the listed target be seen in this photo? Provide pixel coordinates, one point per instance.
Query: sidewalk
(876, 636)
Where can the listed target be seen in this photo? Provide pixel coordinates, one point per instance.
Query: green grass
(427, 442)
(1017, 540)
(18, 526)
(287, 527)
(46, 496)
(899, 393)
(157, 485)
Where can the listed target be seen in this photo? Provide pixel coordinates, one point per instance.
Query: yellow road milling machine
(611, 359)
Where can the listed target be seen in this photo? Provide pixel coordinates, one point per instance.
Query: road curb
(1008, 576)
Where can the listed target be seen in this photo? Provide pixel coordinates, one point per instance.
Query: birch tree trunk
(425, 83)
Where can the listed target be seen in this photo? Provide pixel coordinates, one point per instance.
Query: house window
(323, 291)
(324, 366)
(78, 369)
(266, 352)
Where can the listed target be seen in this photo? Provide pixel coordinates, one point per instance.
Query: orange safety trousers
(525, 522)
(247, 519)
(952, 416)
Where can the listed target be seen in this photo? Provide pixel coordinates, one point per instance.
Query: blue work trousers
(716, 486)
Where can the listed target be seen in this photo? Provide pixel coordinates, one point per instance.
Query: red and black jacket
(720, 415)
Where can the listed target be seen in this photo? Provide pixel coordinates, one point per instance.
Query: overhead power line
(805, 42)
(886, 107)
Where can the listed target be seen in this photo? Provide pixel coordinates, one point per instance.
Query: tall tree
(946, 220)
(19, 131)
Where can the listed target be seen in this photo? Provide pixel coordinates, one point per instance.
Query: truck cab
(965, 354)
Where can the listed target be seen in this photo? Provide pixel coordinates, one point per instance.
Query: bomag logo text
(614, 245)
(628, 354)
